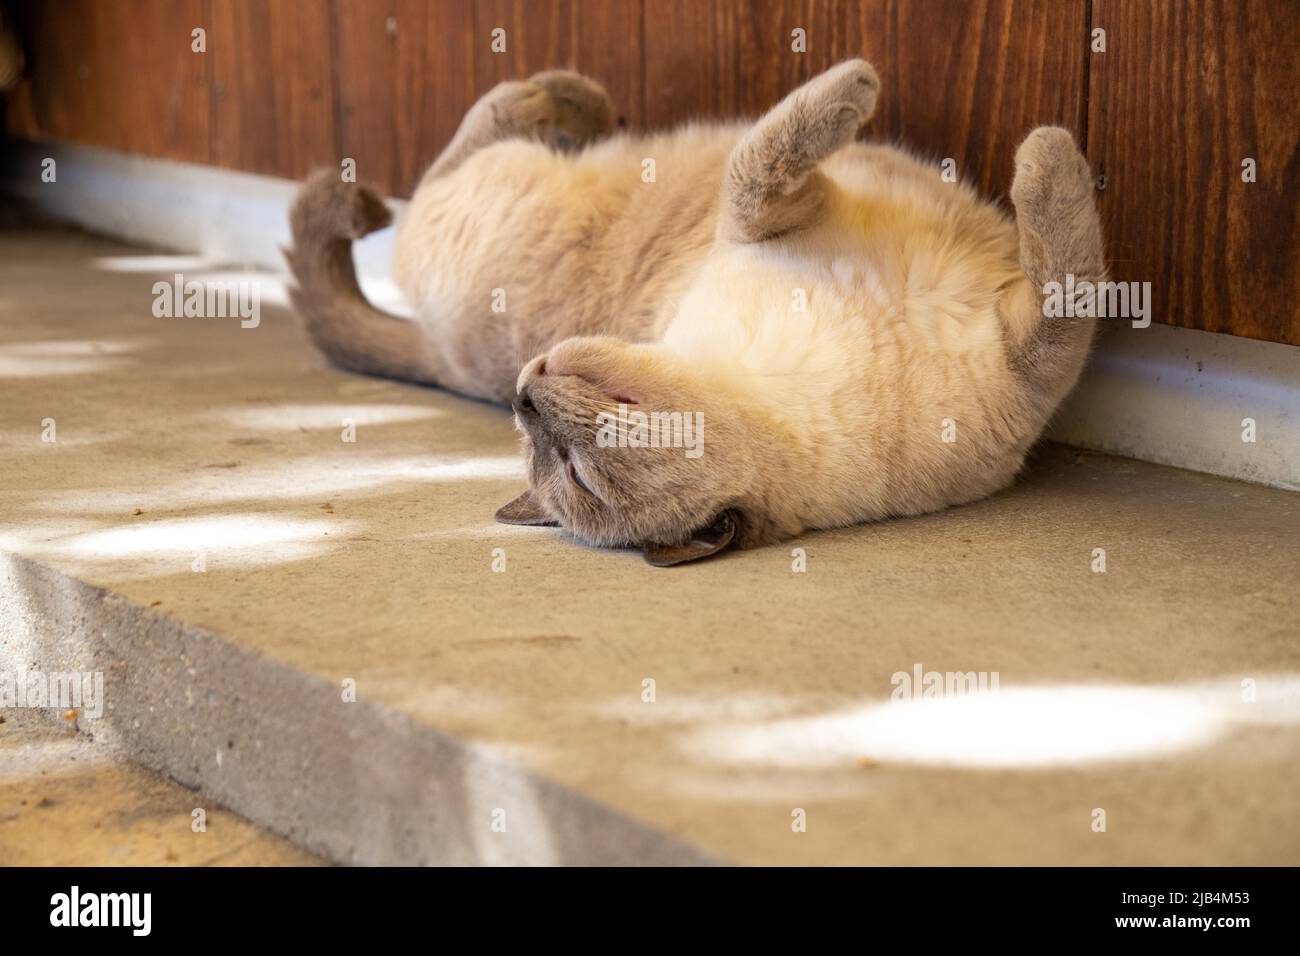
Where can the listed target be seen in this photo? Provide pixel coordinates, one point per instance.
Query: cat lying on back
(859, 338)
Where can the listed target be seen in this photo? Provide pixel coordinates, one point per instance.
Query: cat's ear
(707, 541)
(525, 510)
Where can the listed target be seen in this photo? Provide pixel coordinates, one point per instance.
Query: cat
(853, 337)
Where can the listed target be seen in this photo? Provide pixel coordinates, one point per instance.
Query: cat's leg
(1060, 235)
(771, 185)
(562, 109)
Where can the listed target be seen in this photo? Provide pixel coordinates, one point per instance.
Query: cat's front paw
(623, 372)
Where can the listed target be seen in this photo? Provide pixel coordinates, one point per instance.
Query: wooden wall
(1184, 92)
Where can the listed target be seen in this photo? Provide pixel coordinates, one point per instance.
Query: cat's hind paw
(1052, 176)
(583, 111)
(853, 85)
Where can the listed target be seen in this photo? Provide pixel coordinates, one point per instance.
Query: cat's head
(625, 447)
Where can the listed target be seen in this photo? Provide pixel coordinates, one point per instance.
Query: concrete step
(65, 801)
(202, 535)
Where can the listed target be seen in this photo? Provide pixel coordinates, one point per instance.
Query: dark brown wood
(601, 38)
(405, 75)
(971, 79)
(965, 79)
(366, 77)
(692, 62)
(116, 75)
(273, 105)
(1183, 94)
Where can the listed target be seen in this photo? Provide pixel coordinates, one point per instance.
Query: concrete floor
(66, 802)
(201, 534)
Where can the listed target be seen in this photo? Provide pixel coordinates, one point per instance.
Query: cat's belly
(879, 348)
(522, 248)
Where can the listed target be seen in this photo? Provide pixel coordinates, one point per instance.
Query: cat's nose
(523, 404)
(534, 369)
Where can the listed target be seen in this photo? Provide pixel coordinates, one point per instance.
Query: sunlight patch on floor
(160, 263)
(271, 287)
(326, 476)
(1042, 726)
(185, 535)
(323, 416)
(194, 544)
(679, 709)
(63, 357)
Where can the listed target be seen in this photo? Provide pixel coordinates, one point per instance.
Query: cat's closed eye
(576, 478)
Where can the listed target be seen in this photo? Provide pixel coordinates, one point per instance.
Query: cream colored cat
(859, 338)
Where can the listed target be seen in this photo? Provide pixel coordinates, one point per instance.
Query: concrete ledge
(1181, 397)
(67, 800)
(354, 782)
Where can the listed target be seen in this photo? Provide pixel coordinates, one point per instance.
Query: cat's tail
(1061, 249)
(327, 216)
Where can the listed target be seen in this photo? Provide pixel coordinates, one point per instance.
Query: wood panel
(692, 61)
(601, 38)
(118, 75)
(1183, 94)
(965, 79)
(273, 108)
(405, 75)
(973, 78)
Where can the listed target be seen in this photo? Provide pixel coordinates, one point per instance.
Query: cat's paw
(853, 83)
(1060, 231)
(520, 108)
(822, 115)
(583, 111)
(845, 95)
(1051, 174)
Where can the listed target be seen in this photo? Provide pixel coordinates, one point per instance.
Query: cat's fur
(923, 318)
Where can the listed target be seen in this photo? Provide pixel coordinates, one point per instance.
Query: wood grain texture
(117, 75)
(965, 79)
(601, 38)
(405, 75)
(1183, 94)
(273, 105)
(365, 54)
(973, 78)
